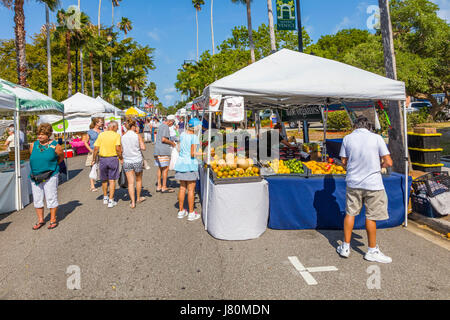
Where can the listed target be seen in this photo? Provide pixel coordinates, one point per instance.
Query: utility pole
(49, 58)
(300, 48)
(396, 134)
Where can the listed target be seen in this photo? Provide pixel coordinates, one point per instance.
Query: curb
(441, 226)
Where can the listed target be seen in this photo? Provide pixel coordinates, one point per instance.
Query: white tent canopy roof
(293, 78)
(83, 105)
(109, 108)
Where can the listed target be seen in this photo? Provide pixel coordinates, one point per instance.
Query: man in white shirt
(364, 154)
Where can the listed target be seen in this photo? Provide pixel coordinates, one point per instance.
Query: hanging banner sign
(233, 109)
(309, 113)
(79, 124)
(116, 119)
(286, 15)
(214, 102)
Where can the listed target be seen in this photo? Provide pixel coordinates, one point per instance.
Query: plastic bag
(123, 181)
(173, 158)
(94, 172)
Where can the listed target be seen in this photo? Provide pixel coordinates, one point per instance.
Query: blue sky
(169, 26)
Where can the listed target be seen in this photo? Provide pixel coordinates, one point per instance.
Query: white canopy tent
(109, 108)
(15, 101)
(289, 79)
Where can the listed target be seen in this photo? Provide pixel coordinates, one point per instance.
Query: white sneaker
(182, 214)
(105, 200)
(193, 216)
(343, 252)
(112, 204)
(377, 256)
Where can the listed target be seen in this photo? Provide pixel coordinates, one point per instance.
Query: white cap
(171, 118)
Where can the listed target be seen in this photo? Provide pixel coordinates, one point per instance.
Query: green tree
(150, 92)
(125, 25)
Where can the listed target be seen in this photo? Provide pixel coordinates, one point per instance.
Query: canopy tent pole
(208, 170)
(17, 158)
(66, 160)
(405, 123)
(325, 127)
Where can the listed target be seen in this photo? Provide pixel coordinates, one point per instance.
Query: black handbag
(42, 177)
(123, 181)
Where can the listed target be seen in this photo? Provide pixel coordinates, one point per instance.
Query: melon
(243, 163)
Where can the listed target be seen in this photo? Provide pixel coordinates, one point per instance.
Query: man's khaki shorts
(376, 203)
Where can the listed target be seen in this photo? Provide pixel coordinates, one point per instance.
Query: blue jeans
(153, 134)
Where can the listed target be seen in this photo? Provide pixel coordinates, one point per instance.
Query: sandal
(38, 225)
(141, 200)
(94, 190)
(52, 225)
(158, 190)
(168, 191)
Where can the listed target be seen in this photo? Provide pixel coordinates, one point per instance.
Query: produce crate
(24, 155)
(216, 180)
(422, 206)
(437, 167)
(269, 172)
(424, 141)
(433, 183)
(426, 156)
(423, 130)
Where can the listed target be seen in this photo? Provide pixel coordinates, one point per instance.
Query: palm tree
(101, 61)
(198, 6)
(273, 43)
(212, 27)
(249, 22)
(49, 5)
(125, 25)
(114, 3)
(71, 35)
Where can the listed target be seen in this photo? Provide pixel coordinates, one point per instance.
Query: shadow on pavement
(65, 210)
(3, 226)
(334, 235)
(72, 175)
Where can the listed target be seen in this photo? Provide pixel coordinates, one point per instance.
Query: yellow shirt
(107, 142)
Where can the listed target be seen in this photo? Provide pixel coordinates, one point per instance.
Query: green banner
(286, 15)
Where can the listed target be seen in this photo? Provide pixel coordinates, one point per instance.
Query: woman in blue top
(45, 157)
(89, 140)
(187, 170)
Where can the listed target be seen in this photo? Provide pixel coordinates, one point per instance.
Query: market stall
(289, 80)
(134, 112)
(17, 101)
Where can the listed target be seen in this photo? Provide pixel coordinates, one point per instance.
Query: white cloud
(169, 90)
(168, 98)
(444, 6)
(345, 23)
(154, 34)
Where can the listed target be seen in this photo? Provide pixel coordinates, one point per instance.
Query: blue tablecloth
(319, 203)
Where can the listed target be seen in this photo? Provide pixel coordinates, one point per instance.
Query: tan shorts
(376, 203)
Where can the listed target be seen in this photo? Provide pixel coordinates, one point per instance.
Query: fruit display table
(8, 188)
(237, 211)
(298, 203)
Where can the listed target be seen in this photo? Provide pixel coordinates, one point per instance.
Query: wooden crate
(24, 155)
(425, 130)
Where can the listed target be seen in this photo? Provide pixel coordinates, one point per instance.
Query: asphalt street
(147, 253)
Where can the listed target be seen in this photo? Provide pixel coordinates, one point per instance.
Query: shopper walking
(364, 154)
(108, 147)
(187, 171)
(46, 154)
(133, 161)
(155, 126)
(147, 130)
(162, 154)
(89, 139)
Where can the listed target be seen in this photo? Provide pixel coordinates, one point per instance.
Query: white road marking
(305, 272)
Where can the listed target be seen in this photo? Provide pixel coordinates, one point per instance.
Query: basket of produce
(288, 168)
(320, 169)
(236, 170)
(432, 184)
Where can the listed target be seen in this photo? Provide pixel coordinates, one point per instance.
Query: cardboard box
(425, 130)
